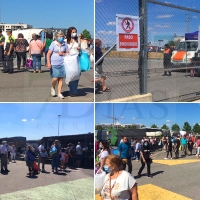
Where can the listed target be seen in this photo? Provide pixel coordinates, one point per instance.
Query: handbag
(53, 151)
(42, 54)
(84, 61)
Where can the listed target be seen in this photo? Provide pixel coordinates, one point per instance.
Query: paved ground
(178, 87)
(29, 87)
(176, 179)
(72, 185)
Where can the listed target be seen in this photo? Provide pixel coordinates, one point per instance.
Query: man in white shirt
(9, 148)
(78, 154)
(41, 156)
(4, 153)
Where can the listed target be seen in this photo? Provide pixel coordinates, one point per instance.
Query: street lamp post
(58, 123)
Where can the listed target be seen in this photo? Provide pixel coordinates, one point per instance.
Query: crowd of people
(138, 150)
(61, 157)
(53, 48)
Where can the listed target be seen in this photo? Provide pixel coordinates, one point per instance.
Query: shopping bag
(84, 61)
(91, 58)
(72, 68)
(29, 63)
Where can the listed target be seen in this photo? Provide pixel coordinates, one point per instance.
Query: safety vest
(10, 38)
(1, 37)
(167, 51)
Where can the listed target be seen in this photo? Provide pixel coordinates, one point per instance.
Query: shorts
(58, 71)
(99, 69)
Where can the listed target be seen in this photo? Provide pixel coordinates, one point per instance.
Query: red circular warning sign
(127, 25)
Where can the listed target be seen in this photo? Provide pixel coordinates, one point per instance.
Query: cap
(9, 30)
(166, 45)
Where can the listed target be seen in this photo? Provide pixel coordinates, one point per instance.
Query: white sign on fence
(127, 30)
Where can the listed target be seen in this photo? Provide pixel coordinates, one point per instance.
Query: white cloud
(111, 23)
(32, 119)
(168, 120)
(162, 26)
(164, 16)
(133, 118)
(195, 17)
(122, 117)
(24, 120)
(168, 124)
(150, 28)
(107, 32)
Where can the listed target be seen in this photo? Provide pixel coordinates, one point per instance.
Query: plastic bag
(84, 61)
(91, 58)
(72, 68)
(29, 63)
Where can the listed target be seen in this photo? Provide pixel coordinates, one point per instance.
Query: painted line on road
(152, 192)
(174, 162)
(72, 190)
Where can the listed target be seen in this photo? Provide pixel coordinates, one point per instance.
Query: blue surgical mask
(61, 39)
(100, 146)
(145, 144)
(106, 168)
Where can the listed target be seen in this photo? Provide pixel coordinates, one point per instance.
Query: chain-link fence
(160, 24)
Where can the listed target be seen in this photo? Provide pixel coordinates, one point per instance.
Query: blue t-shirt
(124, 149)
(184, 141)
(56, 59)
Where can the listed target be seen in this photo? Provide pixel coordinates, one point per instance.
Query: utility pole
(188, 22)
(58, 123)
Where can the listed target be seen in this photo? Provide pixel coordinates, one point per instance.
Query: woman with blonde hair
(118, 184)
(55, 62)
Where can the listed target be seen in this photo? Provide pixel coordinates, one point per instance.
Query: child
(62, 159)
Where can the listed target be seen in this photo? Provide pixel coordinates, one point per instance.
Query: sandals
(107, 89)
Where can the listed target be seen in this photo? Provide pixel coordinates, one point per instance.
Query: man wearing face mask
(125, 154)
(145, 158)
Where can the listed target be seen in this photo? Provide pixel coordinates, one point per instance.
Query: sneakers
(166, 158)
(53, 92)
(60, 96)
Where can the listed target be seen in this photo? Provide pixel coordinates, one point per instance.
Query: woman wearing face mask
(55, 62)
(118, 184)
(145, 158)
(102, 156)
(74, 48)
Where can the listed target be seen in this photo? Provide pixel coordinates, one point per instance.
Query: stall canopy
(192, 36)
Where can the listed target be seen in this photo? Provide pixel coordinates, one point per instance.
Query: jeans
(36, 58)
(45, 53)
(55, 162)
(148, 167)
(73, 85)
(137, 155)
(129, 166)
(184, 149)
(19, 56)
(133, 151)
(8, 63)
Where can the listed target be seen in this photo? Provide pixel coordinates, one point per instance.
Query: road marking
(73, 190)
(152, 192)
(174, 162)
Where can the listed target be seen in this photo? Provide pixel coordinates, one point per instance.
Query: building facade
(14, 27)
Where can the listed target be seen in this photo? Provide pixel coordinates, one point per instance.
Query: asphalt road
(73, 185)
(178, 87)
(175, 179)
(25, 86)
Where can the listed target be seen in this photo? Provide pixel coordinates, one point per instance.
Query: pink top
(36, 46)
(96, 146)
(198, 143)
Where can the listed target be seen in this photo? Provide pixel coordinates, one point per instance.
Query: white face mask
(73, 35)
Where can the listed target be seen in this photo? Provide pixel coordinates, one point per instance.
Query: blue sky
(35, 121)
(50, 13)
(161, 20)
(149, 113)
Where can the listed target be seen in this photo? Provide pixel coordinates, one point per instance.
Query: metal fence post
(142, 68)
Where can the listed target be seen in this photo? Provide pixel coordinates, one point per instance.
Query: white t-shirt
(122, 184)
(13, 150)
(72, 47)
(40, 148)
(3, 149)
(103, 154)
(78, 150)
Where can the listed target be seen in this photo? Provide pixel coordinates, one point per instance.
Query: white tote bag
(72, 68)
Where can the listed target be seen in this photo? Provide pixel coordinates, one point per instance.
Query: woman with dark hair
(74, 48)
(145, 158)
(35, 49)
(118, 184)
(105, 152)
(21, 49)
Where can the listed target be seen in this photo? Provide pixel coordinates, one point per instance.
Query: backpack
(20, 46)
(53, 151)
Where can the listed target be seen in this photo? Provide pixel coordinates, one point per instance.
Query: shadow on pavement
(32, 177)
(81, 92)
(61, 174)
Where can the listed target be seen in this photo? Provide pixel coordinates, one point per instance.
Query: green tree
(86, 34)
(154, 126)
(110, 127)
(171, 43)
(133, 127)
(164, 126)
(175, 128)
(186, 127)
(99, 128)
(121, 127)
(143, 126)
(196, 128)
